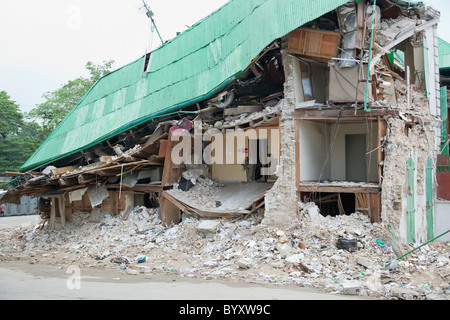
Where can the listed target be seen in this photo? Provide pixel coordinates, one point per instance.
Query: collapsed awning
(233, 200)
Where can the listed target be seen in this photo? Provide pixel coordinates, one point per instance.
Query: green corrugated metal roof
(444, 54)
(191, 67)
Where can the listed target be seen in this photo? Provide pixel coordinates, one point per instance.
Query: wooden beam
(348, 113)
(380, 153)
(171, 172)
(337, 188)
(53, 213)
(297, 151)
(139, 188)
(14, 174)
(170, 212)
(62, 210)
(68, 181)
(60, 171)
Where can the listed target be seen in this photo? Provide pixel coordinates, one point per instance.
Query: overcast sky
(45, 43)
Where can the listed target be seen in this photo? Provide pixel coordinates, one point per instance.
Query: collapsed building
(260, 107)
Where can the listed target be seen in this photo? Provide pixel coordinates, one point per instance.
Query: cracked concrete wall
(417, 141)
(281, 200)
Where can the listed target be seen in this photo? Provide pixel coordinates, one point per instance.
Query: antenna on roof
(150, 14)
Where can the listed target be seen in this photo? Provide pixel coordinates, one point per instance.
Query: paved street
(18, 221)
(39, 283)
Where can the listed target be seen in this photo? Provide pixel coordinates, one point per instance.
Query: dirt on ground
(342, 255)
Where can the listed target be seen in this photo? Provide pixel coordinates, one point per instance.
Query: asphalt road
(18, 221)
(30, 282)
(22, 281)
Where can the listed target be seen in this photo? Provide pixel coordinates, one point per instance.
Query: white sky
(45, 43)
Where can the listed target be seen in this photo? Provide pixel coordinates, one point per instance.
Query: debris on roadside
(240, 249)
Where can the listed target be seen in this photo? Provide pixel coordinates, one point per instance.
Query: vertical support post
(408, 88)
(370, 56)
(429, 191)
(410, 205)
(297, 161)
(52, 213)
(62, 210)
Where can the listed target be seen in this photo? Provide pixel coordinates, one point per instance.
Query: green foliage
(18, 137)
(11, 118)
(21, 135)
(59, 102)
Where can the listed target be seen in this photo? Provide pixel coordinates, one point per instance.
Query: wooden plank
(68, 181)
(105, 159)
(340, 205)
(60, 171)
(62, 210)
(360, 25)
(171, 172)
(86, 178)
(308, 114)
(138, 187)
(380, 152)
(53, 213)
(116, 197)
(337, 188)
(314, 43)
(375, 207)
(170, 213)
(127, 212)
(297, 151)
(14, 174)
(68, 208)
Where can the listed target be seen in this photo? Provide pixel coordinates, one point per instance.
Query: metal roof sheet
(189, 68)
(444, 54)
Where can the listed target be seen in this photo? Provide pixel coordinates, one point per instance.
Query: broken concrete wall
(280, 206)
(414, 134)
(407, 141)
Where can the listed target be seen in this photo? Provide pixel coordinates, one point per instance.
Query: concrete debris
(391, 29)
(238, 250)
(244, 263)
(208, 227)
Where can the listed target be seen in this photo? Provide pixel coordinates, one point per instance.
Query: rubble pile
(202, 190)
(340, 255)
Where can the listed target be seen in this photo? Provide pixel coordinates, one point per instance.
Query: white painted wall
(338, 170)
(314, 140)
(442, 220)
(432, 75)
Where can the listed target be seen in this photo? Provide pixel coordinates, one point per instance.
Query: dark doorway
(355, 157)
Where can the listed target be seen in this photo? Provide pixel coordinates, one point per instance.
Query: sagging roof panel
(189, 68)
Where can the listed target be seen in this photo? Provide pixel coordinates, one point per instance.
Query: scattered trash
(120, 260)
(380, 243)
(185, 184)
(141, 259)
(347, 244)
(310, 254)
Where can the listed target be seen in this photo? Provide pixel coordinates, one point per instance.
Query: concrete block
(208, 227)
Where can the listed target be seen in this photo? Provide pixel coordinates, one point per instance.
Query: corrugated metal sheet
(444, 54)
(191, 67)
(27, 206)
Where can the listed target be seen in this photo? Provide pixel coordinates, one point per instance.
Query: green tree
(18, 137)
(11, 118)
(59, 102)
